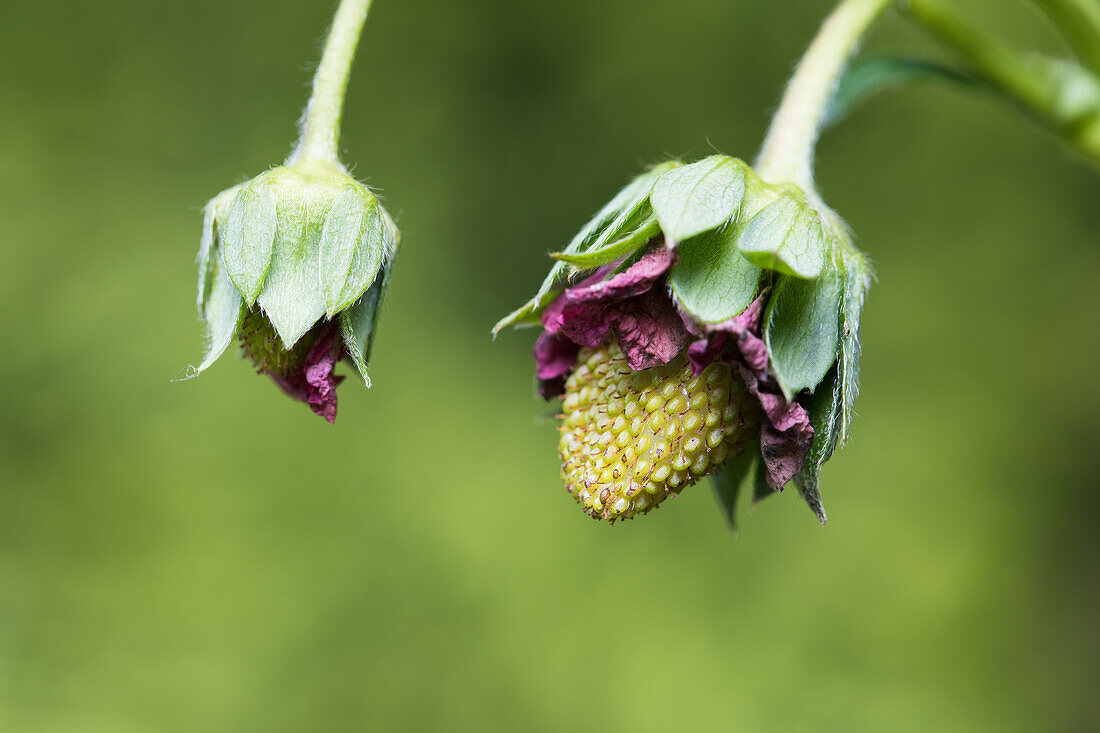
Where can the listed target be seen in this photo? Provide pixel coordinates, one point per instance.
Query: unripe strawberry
(630, 439)
(260, 343)
(701, 314)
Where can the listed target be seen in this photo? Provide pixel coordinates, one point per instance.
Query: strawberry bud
(295, 262)
(298, 251)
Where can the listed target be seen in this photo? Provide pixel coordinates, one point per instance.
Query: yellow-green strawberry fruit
(631, 439)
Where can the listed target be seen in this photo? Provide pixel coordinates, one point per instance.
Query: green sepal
(291, 296)
(206, 247)
(712, 281)
(733, 477)
(353, 241)
(627, 245)
(830, 405)
(222, 311)
(606, 226)
(801, 329)
(858, 277)
(359, 323)
(248, 238)
(341, 235)
(824, 408)
(695, 198)
(787, 236)
(528, 314)
(633, 214)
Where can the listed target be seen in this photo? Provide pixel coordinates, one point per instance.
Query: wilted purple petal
(555, 356)
(586, 311)
(754, 352)
(647, 327)
(703, 351)
(715, 336)
(650, 332)
(784, 454)
(290, 386)
(587, 324)
(642, 319)
(552, 315)
(314, 382)
(634, 280)
(319, 367)
(786, 436)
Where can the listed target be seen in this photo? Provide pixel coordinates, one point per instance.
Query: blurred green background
(210, 556)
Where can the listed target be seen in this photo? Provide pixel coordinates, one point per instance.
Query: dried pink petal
(786, 436)
(314, 381)
(555, 357)
(640, 317)
(634, 280)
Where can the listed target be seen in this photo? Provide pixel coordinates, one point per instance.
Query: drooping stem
(787, 154)
(321, 120)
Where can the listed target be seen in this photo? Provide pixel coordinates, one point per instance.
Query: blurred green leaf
(761, 489)
(869, 77)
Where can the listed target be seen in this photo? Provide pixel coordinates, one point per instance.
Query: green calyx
(298, 243)
(731, 228)
(304, 242)
(735, 235)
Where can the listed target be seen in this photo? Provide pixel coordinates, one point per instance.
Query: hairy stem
(321, 120)
(787, 155)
